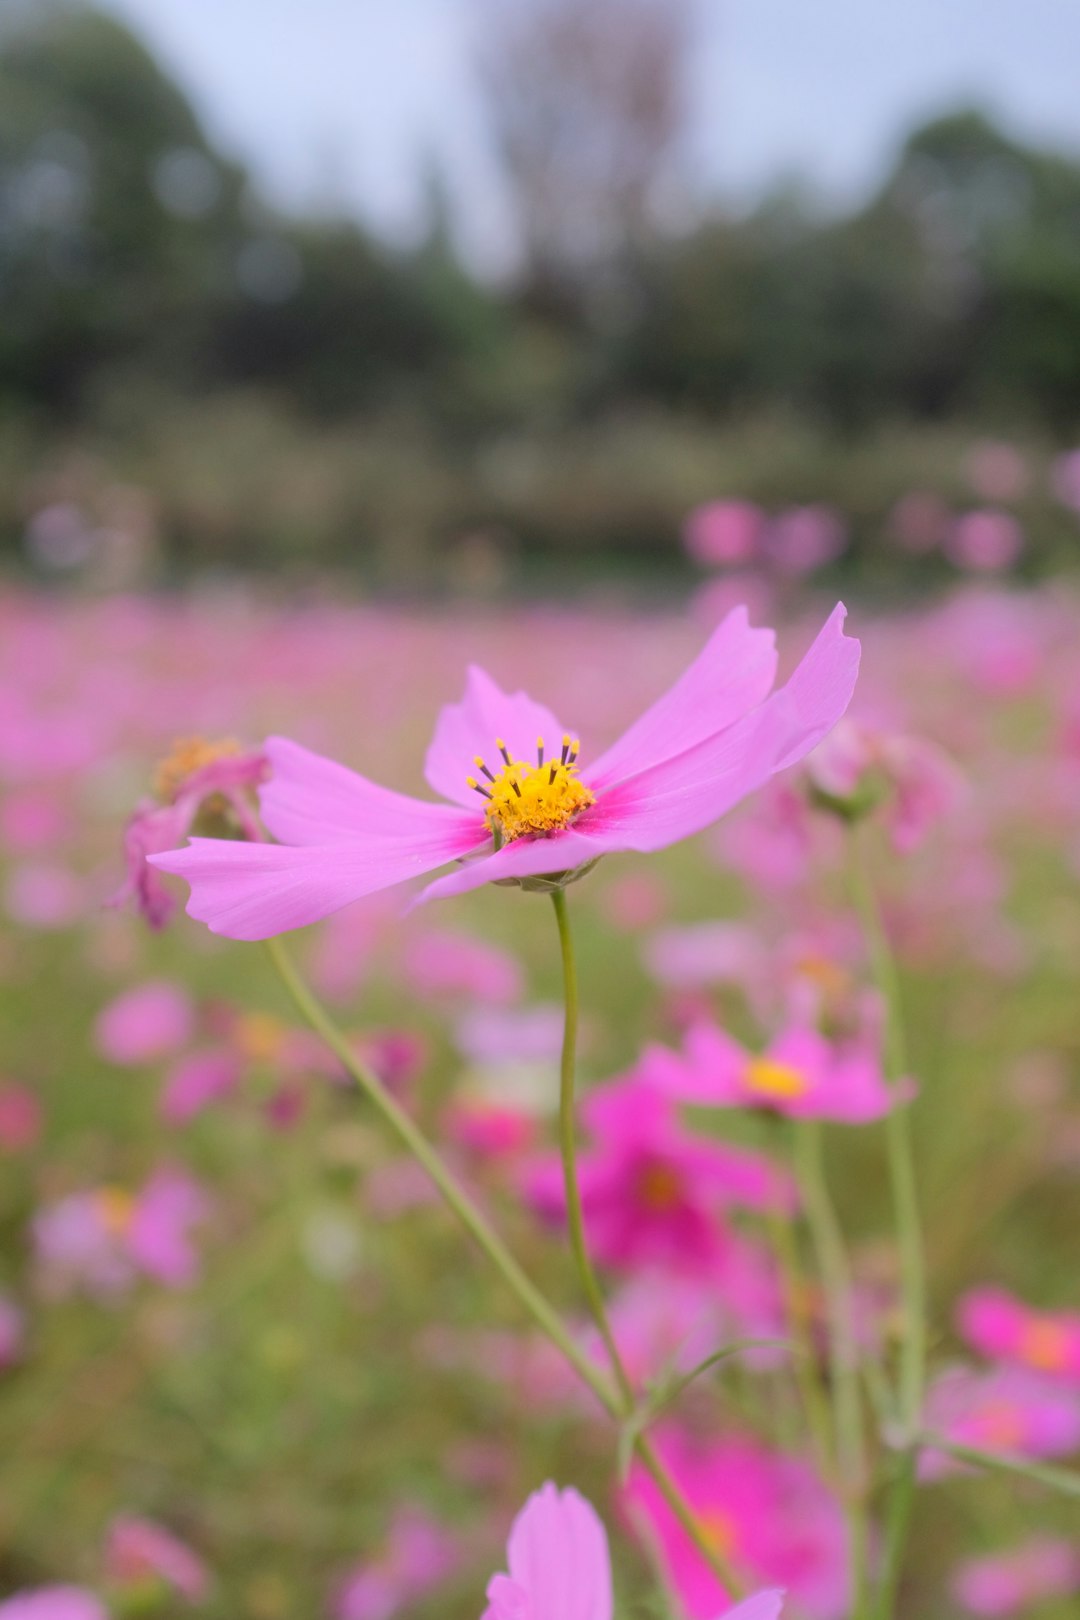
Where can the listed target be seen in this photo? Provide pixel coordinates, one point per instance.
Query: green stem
(901, 1162)
(575, 1218)
(836, 1278)
(476, 1223)
(455, 1195)
(793, 1291)
(1064, 1480)
(591, 1287)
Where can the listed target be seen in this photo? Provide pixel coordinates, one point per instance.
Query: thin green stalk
(459, 1200)
(476, 1223)
(575, 1218)
(1064, 1480)
(793, 1290)
(901, 1163)
(836, 1279)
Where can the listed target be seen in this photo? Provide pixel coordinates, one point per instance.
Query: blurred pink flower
(98, 1242)
(53, 1603)
(805, 538)
(418, 1555)
(147, 1022)
(138, 1550)
(985, 541)
(917, 785)
(724, 534)
(770, 1515)
(713, 739)
(490, 1129)
(800, 1074)
(1008, 1583)
(440, 963)
(996, 470)
(20, 1118)
(1008, 1410)
(653, 1192)
(1065, 478)
(44, 896)
(12, 1333)
(919, 522)
(1002, 1328)
(164, 1215)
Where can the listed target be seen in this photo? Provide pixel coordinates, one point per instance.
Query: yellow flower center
(660, 1188)
(259, 1037)
(1044, 1344)
(523, 798)
(719, 1531)
(188, 755)
(769, 1079)
(115, 1207)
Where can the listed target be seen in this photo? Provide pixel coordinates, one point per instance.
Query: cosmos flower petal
(558, 1555)
(253, 891)
(762, 1606)
(313, 800)
(732, 674)
(526, 857)
(683, 795)
(470, 728)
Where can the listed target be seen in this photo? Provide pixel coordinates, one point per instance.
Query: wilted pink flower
(198, 779)
(985, 541)
(418, 1555)
(138, 1551)
(1008, 1583)
(20, 1118)
(652, 1191)
(800, 1074)
(53, 1603)
(440, 963)
(915, 783)
(1002, 1328)
(724, 534)
(1007, 1409)
(712, 740)
(148, 1022)
(769, 1515)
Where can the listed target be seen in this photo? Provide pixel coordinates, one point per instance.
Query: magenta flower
(1007, 1410)
(149, 1021)
(714, 738)
(139, 1552)
(560, 1569)
(768, 1514)
(53, 1603)
(1002, 1328)
(1003, 1584)
(800, 1074)
(653, 1193)
(418, 1555)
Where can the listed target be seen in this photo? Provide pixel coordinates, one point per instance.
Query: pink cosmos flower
(138, 1550)
(98, 1242)
(418, 1555)
(805, 538)
(440, 963)
(653, 1192)
(145, 1023)
(53, 1603)
(917, 783)
(985, 541)
(800, 1074)
(197, 777)
(1002, 1328)
(722, 534)
(12, 1333)
(559, 1567)
(713, 739)
(770, 1515)
(1007, 1409)
(1010, 1583)
(20, 1118)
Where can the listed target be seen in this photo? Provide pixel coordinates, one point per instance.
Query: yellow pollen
(188, 755)
(660, 1188)
(523, 798)
(769, 1079)
(116, 1207)
(719, 1531)
(1044, 1344)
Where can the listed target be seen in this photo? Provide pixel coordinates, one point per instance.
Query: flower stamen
(532, 799)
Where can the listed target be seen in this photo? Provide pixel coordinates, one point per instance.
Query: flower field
(825, 1143)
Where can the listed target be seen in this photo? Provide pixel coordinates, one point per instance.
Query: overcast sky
(332, 102)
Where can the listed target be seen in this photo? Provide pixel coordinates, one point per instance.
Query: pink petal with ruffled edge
(254, 891)
(732, 674)
(558, 1560)
(470, 728)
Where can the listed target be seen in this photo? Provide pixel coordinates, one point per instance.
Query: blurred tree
(587, 106)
